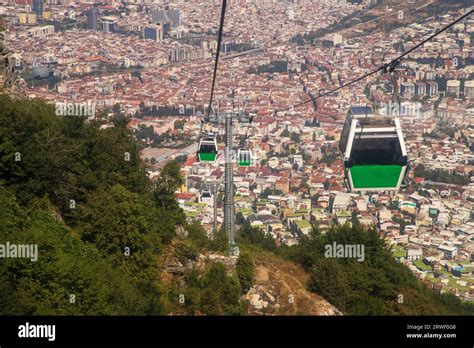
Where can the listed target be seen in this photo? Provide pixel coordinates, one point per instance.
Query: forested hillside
(81, 194)
(378, 286)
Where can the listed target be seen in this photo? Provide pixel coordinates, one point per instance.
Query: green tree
(329, 279)
(213, 293)
(197, 234)
(255, 236)
(67, 269)
(185, 252)
(170, 180)
(220, 243)
(116, 108)
(245, 271)
(370, 287)
(220, 293)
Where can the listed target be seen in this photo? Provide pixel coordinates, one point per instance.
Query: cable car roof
(208, 140)
(361, 111)
(378, 121)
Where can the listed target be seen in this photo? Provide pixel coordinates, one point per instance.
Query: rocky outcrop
(280, 288)
(175, 267)
(9, 81)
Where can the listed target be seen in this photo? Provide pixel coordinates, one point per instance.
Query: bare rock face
(280, 289)
(261, 298)
(180, 231)
(8, 77)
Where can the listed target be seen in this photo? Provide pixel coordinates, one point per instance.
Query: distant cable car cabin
(244, 158)
(373, 150)
(207, 151)
(206, 195)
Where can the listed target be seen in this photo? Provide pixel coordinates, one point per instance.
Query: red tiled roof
(184, 195)
(419, 180)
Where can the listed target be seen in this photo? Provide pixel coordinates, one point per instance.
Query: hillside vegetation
(81, 194)
(371, 287)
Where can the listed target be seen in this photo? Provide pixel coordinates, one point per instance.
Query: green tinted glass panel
(207, 157)
(375, 176)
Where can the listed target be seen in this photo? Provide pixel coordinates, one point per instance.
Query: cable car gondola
(206, 196)
(207, 151)
(244, 158)
(373, 149)
(206, 193)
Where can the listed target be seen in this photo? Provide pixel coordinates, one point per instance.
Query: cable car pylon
(229, 209)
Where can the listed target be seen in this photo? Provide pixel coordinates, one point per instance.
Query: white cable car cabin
(373, 149)
(207, 151)
(206, 196)
(244, 157)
